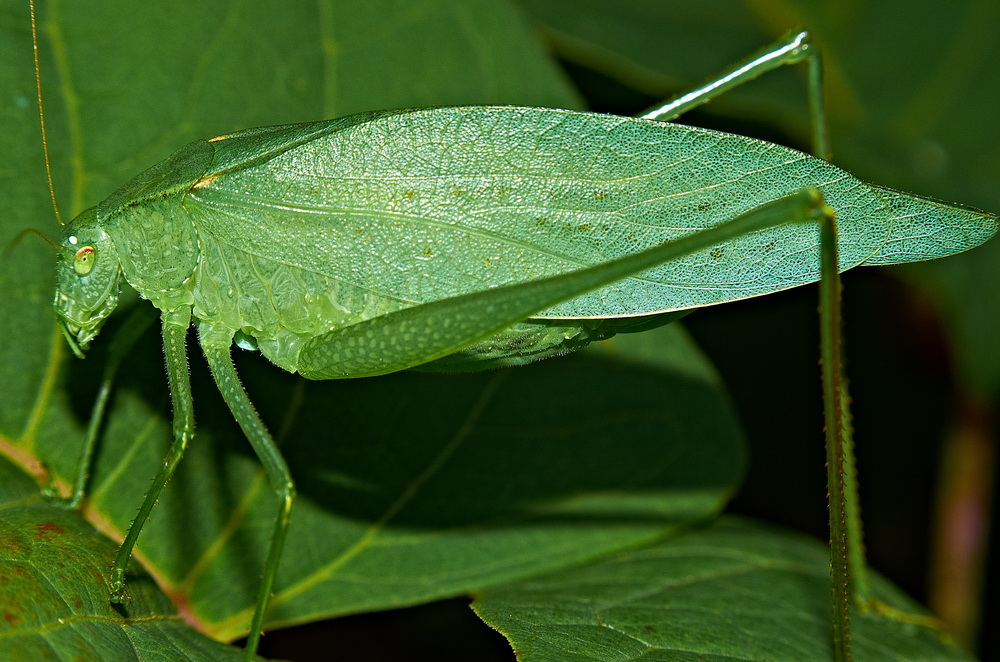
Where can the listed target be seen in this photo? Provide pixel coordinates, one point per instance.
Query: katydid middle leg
(175, 328)
(217, 345)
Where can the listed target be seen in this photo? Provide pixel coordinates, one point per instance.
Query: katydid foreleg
(124, 339)
(174, 330)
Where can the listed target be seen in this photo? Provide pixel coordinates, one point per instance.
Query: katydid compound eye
(83, 262)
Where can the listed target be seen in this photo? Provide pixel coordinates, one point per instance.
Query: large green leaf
(737, 590)
(415, 487)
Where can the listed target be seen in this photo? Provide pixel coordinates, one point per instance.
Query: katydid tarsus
(472, 236)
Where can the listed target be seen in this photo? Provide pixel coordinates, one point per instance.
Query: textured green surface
(737, 590)
(406, 338)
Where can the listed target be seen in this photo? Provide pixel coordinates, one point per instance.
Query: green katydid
(524, 166)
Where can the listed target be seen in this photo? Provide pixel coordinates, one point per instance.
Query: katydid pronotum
(505, 171)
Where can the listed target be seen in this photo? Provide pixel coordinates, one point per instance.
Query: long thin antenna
(41, 113)
(27, 231)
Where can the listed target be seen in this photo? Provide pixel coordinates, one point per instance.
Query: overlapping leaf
(737, 590)
(52, 561)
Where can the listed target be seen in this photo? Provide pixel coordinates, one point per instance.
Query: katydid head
(87, 278)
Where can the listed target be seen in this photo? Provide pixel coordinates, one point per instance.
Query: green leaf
(736, 590)
(54, 596)
(659, 49)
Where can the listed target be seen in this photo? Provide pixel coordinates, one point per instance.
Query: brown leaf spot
(46, 529)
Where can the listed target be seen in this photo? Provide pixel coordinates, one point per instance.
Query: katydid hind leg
(374, 347)
(833, 415)
(175, 328)
(217, 347)
(847, 556)
(792, 48)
